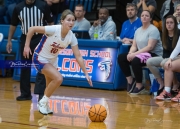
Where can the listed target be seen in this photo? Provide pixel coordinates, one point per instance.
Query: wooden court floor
(71, 104)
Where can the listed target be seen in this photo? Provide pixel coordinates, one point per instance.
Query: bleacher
(4, 29)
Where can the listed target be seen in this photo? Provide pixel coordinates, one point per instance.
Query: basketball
(97, 113)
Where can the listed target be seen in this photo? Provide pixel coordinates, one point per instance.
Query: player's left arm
(79, 58)
(80, 61)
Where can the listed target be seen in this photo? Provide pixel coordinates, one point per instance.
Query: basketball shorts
(39, 62)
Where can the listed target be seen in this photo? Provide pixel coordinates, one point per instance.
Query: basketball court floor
(71, 105)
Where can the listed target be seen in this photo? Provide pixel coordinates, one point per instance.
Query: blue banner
(99, 62)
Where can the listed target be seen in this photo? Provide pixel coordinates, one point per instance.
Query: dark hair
(132, 5)
(148, 12)
(104, 8)
(165, 33)
(65, 13)
(80, 5)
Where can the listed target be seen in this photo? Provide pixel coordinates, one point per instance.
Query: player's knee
(59, 80)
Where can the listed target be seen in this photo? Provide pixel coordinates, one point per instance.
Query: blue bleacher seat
(4, 29)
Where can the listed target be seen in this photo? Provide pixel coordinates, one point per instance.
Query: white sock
(44, 99)
(167, 89)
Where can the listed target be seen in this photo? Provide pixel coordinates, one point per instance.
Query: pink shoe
(164, 96)
(176, 98)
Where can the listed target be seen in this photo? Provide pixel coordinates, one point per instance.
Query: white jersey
(52, 42)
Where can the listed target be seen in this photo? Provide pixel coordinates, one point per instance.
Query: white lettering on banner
(101, 54)
(74, 75)
(84, 52)
(69, 52)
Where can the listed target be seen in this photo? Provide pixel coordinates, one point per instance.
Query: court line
(26, 124)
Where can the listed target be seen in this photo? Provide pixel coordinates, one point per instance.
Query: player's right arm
(31, 32)
(49, 30)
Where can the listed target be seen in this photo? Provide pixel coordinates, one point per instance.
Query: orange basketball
(97, 113)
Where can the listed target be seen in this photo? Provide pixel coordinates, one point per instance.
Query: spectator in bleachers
(104, 28)
(171, 66)
(57, 7)
(168, 8)
(2, 11)
(149, 5)
(146, 43)
(10, 7)
(81, 22)
(170, 37)
(44, 15)
(177, 14)
(131, 25)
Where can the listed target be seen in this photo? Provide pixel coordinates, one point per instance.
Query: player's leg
(54, 80)
(48, 80)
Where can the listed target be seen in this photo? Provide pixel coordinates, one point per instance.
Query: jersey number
(54, 50)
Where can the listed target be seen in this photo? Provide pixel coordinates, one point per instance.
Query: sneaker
(131, 86)
(40, 97)
(49, 111)
(164, 96)
(42, 106)
(23, 98)
(137, 91)
(176, 98)
(174, 92)
(160, 91)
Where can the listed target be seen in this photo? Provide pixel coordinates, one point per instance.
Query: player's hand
(89, 80)
(26, 52)
(9, 47)
(168, 64)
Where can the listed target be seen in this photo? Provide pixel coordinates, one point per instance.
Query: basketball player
(45, 58)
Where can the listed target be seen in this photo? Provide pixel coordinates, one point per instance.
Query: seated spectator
(104, 28)
(171, 66)
(131, 25)
(168, 8)
(170, 37)
(81, 22)
(2, 12)
(149, 5)
(146, 41)
(10, 9)
(177, 14)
